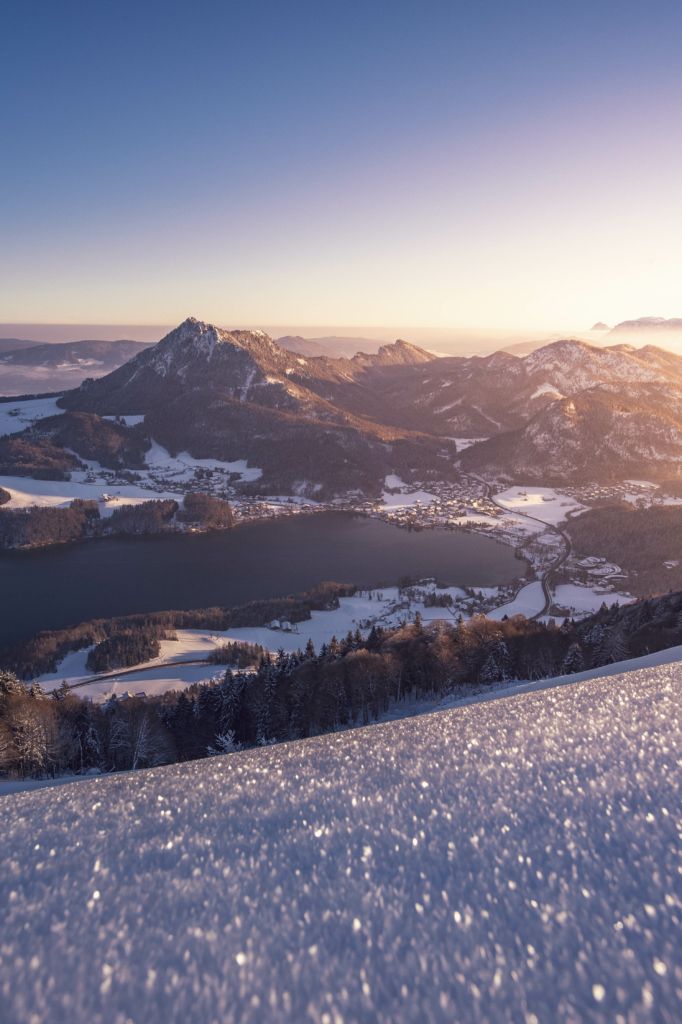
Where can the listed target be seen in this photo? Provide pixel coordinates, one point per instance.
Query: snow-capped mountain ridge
(234, 395)
(221, 394)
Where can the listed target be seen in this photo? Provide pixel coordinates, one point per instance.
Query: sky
(484, 163)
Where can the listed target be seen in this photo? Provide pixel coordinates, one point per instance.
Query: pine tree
(574, 661)
(614, 647)
(490, 672)
(334, 647)
(418, 624)
(358, 639)
(373, 640)
(309, 650)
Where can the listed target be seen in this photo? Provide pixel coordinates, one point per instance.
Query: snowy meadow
(509, 861)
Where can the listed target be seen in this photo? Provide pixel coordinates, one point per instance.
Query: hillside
(485, 396)
(236, 395)
(646, 541)
(16, 344)
(322, 426)
(515, 859)
(331, 346)
(603, 433)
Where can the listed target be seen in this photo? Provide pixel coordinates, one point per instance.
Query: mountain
(600, 327)
(601, 433)
(15, 344)
(35, 366)
(237, 394)
(333, 347)
(339, 346)
(648, 323)
(106, 355)
(305, 347)
(481, 396)
(322, 426)
(651, 329)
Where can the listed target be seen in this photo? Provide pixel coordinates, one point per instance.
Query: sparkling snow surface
(510, 861)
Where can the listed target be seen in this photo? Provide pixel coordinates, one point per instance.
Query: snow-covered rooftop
(515, 860)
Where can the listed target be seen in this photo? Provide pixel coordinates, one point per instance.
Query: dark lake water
(59, 586)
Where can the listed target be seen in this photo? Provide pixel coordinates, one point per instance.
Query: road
(548, 526)
(143, 667)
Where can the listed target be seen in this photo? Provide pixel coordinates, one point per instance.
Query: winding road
(548, 526)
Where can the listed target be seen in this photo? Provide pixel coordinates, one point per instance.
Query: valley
(277, 438)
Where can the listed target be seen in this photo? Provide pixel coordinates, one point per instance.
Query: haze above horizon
(501, 167)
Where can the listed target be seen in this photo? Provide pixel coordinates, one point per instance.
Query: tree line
(41, 654)
(288, 696)
(38, 526)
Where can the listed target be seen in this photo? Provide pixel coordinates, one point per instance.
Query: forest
(38, 458)
(640, 541)
(347, 683)
(41, 448)
(40, 525)
(42, 653)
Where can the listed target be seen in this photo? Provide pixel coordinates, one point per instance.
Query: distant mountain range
(30, 366)
(315, 425)
(106, 355)
(648, 323)
(15, 344)
(334, 347)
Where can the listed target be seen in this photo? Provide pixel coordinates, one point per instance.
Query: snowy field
(161, 468)
(60, 493)
(37, 409)
(510, 861)
(540, 502)
(529, 601)
(386, 607)
(584, 600)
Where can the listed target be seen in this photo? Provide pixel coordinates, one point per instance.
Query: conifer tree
(373, 640)
(574, 661)
(309, 650)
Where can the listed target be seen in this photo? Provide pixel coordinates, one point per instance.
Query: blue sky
(443, 164)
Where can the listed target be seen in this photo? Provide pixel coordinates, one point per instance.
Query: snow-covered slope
(310, 423)
(513, 861)
(604, 432)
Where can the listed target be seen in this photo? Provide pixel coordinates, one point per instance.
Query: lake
(52, 587)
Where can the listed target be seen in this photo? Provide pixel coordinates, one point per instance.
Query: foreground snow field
(514, 861)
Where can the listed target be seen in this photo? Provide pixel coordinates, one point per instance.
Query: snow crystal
(509, 861)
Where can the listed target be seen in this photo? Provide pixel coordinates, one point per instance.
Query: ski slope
(511, 861)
